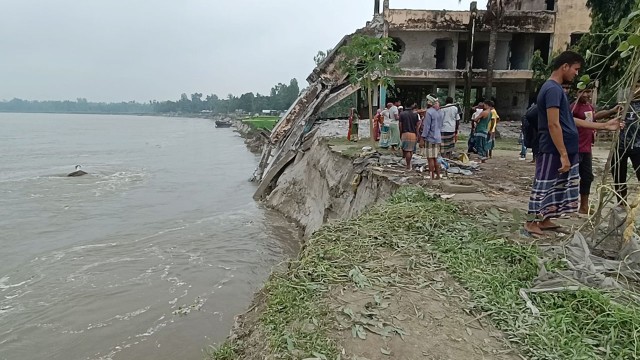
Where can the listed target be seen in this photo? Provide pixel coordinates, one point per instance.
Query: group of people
(433, 130)
(483, 130)
(562, 146)
(559, 131)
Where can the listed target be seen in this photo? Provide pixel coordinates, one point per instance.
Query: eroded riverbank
(386, 283)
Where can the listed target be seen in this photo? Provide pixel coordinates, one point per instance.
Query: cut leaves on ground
(393, 248)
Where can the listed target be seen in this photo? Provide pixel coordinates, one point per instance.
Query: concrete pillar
(385, 5)
(452, 89)
(453, 59)
(376, 7)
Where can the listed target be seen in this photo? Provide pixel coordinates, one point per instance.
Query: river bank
(399, 272)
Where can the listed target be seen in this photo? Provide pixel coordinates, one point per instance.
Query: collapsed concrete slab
(327, 86)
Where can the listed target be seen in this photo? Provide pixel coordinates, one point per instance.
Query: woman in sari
(481, 133)
(377, 124)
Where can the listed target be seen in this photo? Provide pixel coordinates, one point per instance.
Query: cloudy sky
(114, 50)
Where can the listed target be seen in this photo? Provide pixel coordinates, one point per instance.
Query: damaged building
(435, 46)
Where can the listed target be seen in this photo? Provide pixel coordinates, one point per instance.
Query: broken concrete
(327, 86)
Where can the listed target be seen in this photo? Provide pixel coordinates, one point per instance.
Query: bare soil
(434, 319)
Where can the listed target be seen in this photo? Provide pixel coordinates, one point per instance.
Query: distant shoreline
(194, 115)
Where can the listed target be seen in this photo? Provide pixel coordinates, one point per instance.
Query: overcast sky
(114, 50)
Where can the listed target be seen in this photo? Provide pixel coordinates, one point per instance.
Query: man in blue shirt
(432, 135)
(556, 186)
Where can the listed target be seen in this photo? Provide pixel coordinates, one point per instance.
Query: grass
(585, 324)
(262, 122)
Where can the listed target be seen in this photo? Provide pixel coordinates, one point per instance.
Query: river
(149, 256)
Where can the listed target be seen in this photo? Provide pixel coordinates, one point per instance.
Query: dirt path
(435, 321)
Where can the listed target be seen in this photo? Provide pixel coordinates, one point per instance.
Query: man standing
(493, 124)
(431, 133)
(450, 125)
(556, 186)
(409, 125)
(394, 130)
(582, 109)
(529, 133)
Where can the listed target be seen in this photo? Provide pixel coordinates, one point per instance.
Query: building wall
(573, 16)
(420, 50)
(535, 5)
(511, 100)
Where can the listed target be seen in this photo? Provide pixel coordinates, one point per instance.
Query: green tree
(541, 70)
(196, 102)
(607, 33)
(368, 62)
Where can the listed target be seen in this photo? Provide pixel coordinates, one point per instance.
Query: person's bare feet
(547, 224)
(533, 228)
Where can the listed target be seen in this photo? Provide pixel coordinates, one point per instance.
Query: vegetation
(583, 324)
(262, 122)
(369, 61)
(80, 106)
(280, 98)
(541, 70)
(603, 39)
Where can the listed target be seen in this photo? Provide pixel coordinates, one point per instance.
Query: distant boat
(223, 123)
(78, 172)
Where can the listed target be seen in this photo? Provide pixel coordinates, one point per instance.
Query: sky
(122, 50)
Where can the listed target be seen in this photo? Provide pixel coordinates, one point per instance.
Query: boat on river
(223, 123)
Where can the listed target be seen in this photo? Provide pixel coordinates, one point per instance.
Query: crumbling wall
(522, 47)
(511, 100)
(573, 16)
(457, 21)
(420, 48)
(293, 130)
(534, 5)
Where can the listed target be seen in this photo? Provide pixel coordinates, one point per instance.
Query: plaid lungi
(431, 151)
(554, 194)
(448, 141)
(409, 141)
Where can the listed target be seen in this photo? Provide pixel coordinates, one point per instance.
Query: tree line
(280, 98)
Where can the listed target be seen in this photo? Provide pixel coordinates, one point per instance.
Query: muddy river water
(149, 256)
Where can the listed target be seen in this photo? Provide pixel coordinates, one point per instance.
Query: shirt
(450, 118)
(432, 126)
(494, 120)
(585, 136)
(552, 96)
(629, 141)
(393, 112)
(409, 121)
(476, 114)
(386, 115)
